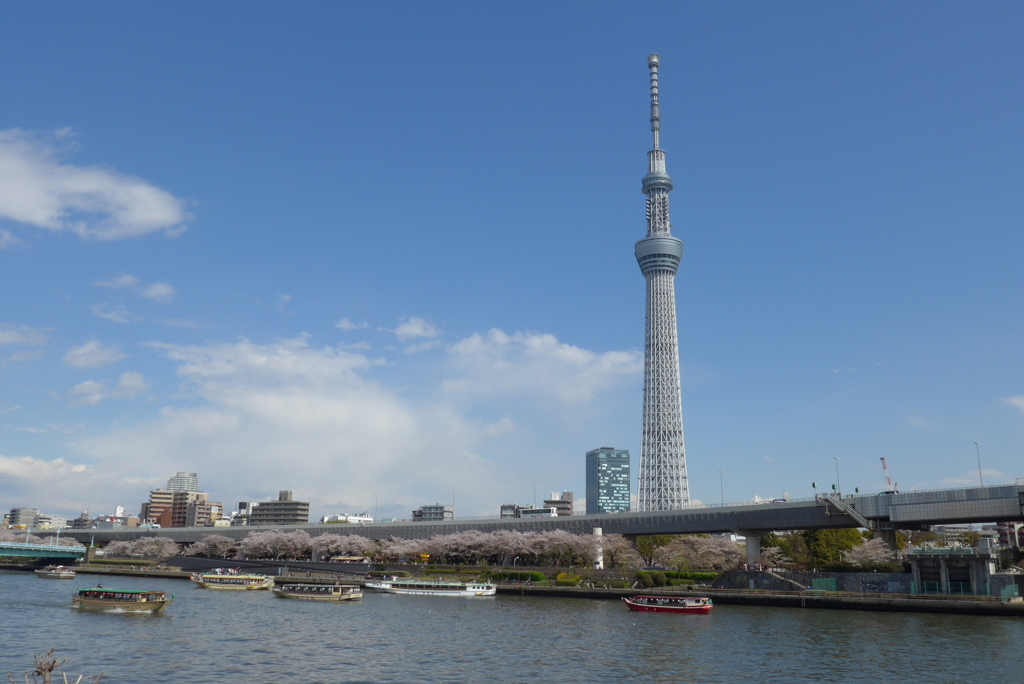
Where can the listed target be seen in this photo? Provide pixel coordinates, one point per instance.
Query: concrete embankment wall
(966, 605)
(870, 582)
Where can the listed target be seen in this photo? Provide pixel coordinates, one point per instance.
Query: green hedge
(692, 575)
(518, 576)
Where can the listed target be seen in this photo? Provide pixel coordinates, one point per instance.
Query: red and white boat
(670, 604)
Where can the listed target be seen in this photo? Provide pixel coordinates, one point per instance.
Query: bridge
(41, 551)
(884, 513)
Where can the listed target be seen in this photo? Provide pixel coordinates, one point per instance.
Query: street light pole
(721, 485)
(534, 496)
(838, 486)
(453, 504)
(977, 450)
(376, 500)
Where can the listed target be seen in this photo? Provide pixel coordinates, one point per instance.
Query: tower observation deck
(662, 473)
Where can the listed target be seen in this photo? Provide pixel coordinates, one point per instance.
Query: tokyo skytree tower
(663, 484)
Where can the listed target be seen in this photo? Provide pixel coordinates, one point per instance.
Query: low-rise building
(160, 500)
(434, 513)
(357, 519)
(561, 502)
(22, 517)
(283, 511)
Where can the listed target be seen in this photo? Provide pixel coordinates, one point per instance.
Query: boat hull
(120, 606)
(336, 598)
(669, 605)
(47, 573)
(390, 588)
(233, 583)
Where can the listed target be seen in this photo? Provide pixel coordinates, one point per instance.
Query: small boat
(670, 604)
(319, 592)
(232, 580)
(432, 587)
(121, 600)
(56, 572)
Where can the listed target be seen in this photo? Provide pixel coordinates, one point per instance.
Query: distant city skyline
(384, 256)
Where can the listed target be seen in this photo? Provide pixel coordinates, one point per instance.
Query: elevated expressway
(882, 512)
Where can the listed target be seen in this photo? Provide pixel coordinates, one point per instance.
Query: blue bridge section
(40, 551)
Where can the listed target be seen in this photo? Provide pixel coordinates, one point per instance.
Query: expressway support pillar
(889, 537)
(598, 549)
(753, 544)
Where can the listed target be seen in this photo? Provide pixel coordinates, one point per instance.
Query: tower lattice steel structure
(663, 484)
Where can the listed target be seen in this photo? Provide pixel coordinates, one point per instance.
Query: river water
(251, 637)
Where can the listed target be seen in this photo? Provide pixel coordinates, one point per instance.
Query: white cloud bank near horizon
(37, 188)
(256, 418)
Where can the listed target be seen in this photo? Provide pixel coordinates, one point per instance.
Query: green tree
(647, 545)
(791, 544)
(828, 546)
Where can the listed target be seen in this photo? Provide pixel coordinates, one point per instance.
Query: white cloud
(117, 313)
(1016, 402)
(93, 354)
(90, 392)
(254, 418)
(159, 292)
(8, 240)
(282, 302)
(23, 335)
(128, 385)
(122, 281)
(41, 482)
(37, 188)
(313, 418)
(415, 328)
(529, 362)
(346, 324)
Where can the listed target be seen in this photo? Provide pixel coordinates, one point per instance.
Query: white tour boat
(232, 580)
(56, 572)
(431, 587)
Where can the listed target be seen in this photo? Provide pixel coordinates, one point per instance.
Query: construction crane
(893, 488)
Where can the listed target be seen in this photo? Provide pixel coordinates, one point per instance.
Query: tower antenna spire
(652, 63)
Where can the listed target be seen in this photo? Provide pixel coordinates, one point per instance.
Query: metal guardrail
(19, 545)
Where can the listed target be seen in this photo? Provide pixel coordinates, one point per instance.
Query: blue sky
(384, 250)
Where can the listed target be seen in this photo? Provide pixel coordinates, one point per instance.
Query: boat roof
(123, 591)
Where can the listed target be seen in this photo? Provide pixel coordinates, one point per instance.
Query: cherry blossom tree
(872, 552)
(214, 546)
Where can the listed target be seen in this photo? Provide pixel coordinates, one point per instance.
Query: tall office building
(183, 482)
(607, 481)
(662, 479)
